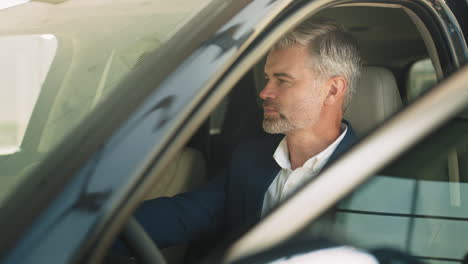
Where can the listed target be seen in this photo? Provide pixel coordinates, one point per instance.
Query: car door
(116, 162)
(411, 123)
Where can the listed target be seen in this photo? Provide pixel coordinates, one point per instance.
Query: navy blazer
(230, 201)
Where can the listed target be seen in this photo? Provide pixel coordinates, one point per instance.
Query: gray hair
(333, 51)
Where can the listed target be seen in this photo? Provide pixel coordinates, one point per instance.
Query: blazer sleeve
(185, 217)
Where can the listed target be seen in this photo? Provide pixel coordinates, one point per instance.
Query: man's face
(292, 96)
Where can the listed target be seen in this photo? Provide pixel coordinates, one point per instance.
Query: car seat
(186, 171)
(375, 99)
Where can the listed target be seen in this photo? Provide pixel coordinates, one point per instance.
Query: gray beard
(277, 126)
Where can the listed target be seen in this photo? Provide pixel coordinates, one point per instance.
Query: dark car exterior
(84, 188)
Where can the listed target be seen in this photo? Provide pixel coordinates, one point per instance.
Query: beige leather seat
(186, 171)
(376, 98)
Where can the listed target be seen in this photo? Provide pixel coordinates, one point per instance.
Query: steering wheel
(140, 243)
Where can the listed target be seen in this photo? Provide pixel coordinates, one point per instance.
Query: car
(107, 103)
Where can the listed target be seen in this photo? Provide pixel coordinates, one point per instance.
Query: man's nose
(268, 92)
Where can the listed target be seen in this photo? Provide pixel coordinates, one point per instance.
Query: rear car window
(421, 77)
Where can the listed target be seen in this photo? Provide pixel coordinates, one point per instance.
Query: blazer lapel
(261, 178)
(348, 140)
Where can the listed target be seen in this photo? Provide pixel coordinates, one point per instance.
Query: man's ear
(337, 87)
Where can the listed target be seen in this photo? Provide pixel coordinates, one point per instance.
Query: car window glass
(416, 204)
(78, 62)
(26, 60)
(422, 76)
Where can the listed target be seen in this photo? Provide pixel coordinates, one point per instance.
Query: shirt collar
(316, 162)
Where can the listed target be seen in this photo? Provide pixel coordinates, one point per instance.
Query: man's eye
(281, 81)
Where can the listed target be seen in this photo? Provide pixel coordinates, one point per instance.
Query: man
(310, 75)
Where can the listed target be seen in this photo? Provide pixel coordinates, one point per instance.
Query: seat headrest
(375, 99)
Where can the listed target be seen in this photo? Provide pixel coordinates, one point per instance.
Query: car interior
(400, 62)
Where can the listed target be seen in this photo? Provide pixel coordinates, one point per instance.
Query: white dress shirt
(287, 180)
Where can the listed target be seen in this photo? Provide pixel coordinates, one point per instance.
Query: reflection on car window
(26, 60)
(56, 77)
(417, 204)
(422, 76)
